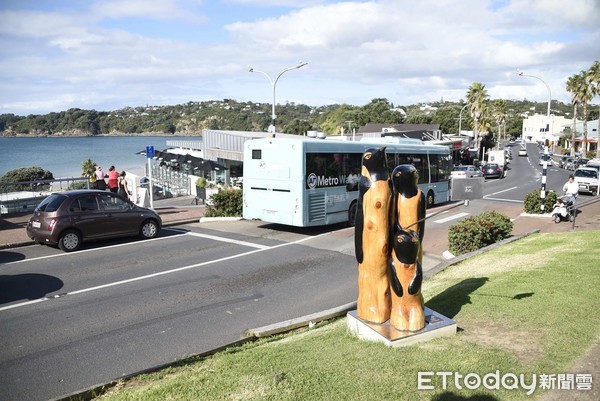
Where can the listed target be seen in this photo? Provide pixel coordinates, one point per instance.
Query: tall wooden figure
(408, 230)
(372, 236)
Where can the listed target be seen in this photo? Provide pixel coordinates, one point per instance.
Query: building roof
(377, 127)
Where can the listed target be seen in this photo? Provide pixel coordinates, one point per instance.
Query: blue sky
(109, 54)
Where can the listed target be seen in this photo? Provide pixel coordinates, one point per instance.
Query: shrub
(533, 202)
(225, 203)
(201, 182)
(476, 232)
(26, 174)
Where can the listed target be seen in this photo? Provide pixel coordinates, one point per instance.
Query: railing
(169, 183)
(24, 196)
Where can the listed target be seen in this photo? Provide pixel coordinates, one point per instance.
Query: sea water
(63, 156)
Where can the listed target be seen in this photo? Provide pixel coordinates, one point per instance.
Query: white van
(587, 179)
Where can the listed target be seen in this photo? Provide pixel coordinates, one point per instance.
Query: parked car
(548, 160)
(587, 180)
(580, 162)
(468, 171)
(66, 219)
(522, 151)
(564, 161)
(492, 170)
(594, 163)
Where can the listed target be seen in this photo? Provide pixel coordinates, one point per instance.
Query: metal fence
(23, 197)
(169, 182)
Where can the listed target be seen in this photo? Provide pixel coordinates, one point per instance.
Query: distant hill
(192, 117)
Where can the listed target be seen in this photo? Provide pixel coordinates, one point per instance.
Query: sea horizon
(63, 155)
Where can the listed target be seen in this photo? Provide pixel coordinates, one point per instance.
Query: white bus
(313, 182)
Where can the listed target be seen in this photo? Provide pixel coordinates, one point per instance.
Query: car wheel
(149, 229)
(430, 199)
(352, 214)
(69, 241)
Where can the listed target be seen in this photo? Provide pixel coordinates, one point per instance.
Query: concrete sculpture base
(436, 325)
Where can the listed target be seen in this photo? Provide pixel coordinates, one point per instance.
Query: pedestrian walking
(113, 179)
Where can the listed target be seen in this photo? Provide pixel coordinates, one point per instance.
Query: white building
(536, 128)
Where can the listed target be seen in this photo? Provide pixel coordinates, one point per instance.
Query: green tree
(585, 94)
(574, 85)
(499, 111)
(477, 97)
(594, 76)
(23, 175)
(297, 127)
(88, 168)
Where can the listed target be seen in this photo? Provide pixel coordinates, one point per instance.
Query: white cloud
(134, 52)
(155, 10)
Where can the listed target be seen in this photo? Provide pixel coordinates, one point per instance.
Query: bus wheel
(352, 214)
(430, 199)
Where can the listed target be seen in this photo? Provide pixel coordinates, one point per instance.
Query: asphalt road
(117, 309)
(72, 321)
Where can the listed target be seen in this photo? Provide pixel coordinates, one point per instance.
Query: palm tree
(88, 168)
(477, 97)
(585, 95)
(499, 109)
(594, 74)
(574, 83)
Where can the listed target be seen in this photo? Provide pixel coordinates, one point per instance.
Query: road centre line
(453, 217)
(229, 240)
(163, 273)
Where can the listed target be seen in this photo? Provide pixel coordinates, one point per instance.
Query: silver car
(468, 171)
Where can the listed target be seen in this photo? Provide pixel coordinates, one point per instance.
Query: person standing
(123, 188)
(571, 188)
(100, 182)
(113, 179)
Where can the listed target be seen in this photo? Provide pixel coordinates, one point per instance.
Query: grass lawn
(528, 307)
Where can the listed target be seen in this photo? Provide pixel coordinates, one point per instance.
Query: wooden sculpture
(372, 236)
(408, 229)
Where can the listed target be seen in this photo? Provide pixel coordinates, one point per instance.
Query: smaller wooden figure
(407, 255)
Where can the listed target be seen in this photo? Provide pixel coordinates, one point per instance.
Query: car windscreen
(586, 173)
(460, 168)
(51, 203)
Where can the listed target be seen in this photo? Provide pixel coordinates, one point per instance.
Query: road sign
(149, 152)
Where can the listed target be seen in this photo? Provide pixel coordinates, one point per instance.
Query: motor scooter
(564, 209)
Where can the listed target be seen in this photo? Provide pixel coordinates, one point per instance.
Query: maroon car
(69, 218)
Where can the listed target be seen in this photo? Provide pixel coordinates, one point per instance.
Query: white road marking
(450, 218)
(65, 254)
(488, 197)
(163, 273)
(228, 240)
(504, 190)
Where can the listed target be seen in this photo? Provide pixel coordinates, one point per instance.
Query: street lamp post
(274, 84)
(460, 118)
(547, 129)
(548, 121)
